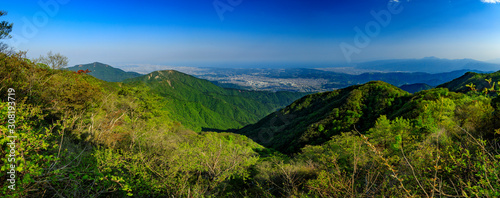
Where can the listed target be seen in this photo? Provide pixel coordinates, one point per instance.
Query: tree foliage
(5, 27)
(54, 61)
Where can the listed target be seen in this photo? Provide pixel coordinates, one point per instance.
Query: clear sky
(257, 33)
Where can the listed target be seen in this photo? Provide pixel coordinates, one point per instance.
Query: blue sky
(253, 33)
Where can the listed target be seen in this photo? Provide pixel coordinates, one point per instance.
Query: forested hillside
(104, 72)
(428, 64)
(201, 104)
(77, 136)
(473, 80)
(375, 139)
(314, 119)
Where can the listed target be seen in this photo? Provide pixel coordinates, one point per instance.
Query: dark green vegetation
(105, 72)
(413, 88)
(478, 80)
(317, 117)
(199, 104)
(79, 136)
(401, 78)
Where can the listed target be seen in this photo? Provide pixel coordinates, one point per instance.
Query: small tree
(55, 61)
(5, 29)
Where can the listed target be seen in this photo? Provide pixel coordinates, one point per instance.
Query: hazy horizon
(256, 33)
(146, 68)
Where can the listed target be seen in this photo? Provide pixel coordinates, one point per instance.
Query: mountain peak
(104, 71)
(431, 58)
(99, 64)
(167, 73)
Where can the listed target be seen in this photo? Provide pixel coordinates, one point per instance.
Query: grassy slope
(315, 118)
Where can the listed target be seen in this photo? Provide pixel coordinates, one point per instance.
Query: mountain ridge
(314, 118)
(416, 87)
(459, 84)
(428, 64)
(104, 71)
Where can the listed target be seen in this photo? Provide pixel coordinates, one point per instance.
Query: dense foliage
(81, 137)
(78, 136)
(432, 143)
(477, 80)
(317, 117)
(200, 105)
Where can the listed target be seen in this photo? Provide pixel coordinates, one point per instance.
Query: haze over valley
(430, 70)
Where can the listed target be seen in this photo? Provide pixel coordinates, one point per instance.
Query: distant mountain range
(105, 72)
(459, 84)
(290, 79)
(497, 61)
(429, 65)
(316, 80)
